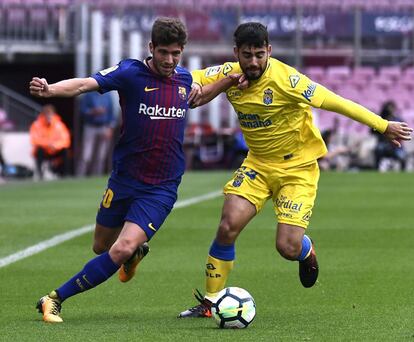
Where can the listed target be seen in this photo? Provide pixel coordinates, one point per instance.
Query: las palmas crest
(268, 96)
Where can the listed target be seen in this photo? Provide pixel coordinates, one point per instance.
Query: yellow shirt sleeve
(214, 73)
(338, 104)
(300, 88)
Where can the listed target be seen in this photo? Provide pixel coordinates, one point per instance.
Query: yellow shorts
(293, 190)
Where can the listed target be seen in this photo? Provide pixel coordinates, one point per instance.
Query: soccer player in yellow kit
(275, 116)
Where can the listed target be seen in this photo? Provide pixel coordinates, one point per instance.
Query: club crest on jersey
(268, 96)
(238, 180)
(182, 92)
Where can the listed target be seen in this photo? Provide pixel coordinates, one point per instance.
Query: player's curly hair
(166, 31)
(252, 33)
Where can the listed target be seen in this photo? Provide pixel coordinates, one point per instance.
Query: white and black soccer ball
(233, 308)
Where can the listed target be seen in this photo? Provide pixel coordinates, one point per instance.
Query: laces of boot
(199, 308)
(203, 306)
(55, 308)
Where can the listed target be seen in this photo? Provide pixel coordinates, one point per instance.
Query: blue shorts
(147, 205)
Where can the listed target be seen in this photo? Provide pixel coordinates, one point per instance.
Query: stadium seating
(378, 5)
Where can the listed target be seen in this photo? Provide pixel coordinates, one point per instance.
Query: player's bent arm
(73, 87)
(209, 91)
(338, 104)
(66, 88)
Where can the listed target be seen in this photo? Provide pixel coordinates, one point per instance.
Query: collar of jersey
(146, 60)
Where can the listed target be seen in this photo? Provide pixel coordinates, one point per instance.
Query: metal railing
(20, 110)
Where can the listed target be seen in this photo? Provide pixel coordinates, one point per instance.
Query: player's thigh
(245, 195)
(113, 208)
(249, 184)
(151, 205)
(236, 214)
(104, 238)
(294, 199)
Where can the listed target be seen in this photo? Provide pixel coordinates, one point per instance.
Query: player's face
(165, 58)
(253, 60)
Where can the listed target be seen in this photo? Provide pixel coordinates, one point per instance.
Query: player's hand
(39, 87)
(195, 96)
(397, 131)
(240, 80)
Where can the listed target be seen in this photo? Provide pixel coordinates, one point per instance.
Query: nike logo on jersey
(146, 89)
(151, 226)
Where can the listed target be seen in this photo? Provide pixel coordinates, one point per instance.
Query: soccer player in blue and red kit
(148, 160)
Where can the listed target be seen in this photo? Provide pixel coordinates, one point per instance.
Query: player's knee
(99, 247)
(122, 250)
(227, 233)
(289, 249)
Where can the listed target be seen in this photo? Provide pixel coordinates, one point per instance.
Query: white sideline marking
(58, 239)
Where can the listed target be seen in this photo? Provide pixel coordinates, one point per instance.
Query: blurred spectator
(98, 125)
(2, 163)
(385, 153)
(239, 149)
(5, 123)
(51, 141)
(338, 156)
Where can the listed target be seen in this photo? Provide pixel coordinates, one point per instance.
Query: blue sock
(95, 272)
(306, 247)
(222, 252)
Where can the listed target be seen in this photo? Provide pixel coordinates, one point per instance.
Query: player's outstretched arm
(393, 131)
(66, 88)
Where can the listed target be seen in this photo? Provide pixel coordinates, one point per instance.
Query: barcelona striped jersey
(154, 109)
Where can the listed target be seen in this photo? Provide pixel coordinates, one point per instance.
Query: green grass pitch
(362, 226)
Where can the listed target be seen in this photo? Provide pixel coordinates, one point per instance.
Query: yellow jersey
(274, 112)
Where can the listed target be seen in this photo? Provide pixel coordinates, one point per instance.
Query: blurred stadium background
(361, 49)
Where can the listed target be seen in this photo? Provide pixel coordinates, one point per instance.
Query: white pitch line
(197, 199)
(58, 239)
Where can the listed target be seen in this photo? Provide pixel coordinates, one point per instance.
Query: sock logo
(212, 275)
(210, 266)
(79, 283)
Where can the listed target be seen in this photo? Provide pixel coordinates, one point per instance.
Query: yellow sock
(217, 272)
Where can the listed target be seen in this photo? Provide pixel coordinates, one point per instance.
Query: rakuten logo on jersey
(161, 113)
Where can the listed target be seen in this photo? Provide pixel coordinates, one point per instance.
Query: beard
(253, 74)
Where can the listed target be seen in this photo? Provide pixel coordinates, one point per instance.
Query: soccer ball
(234, 308)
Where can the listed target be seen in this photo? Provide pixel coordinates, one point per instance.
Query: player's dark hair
(251, 34)
(166, 31)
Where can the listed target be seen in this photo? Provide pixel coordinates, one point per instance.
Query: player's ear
(236, 52)
(151, 47)
(269, 49)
